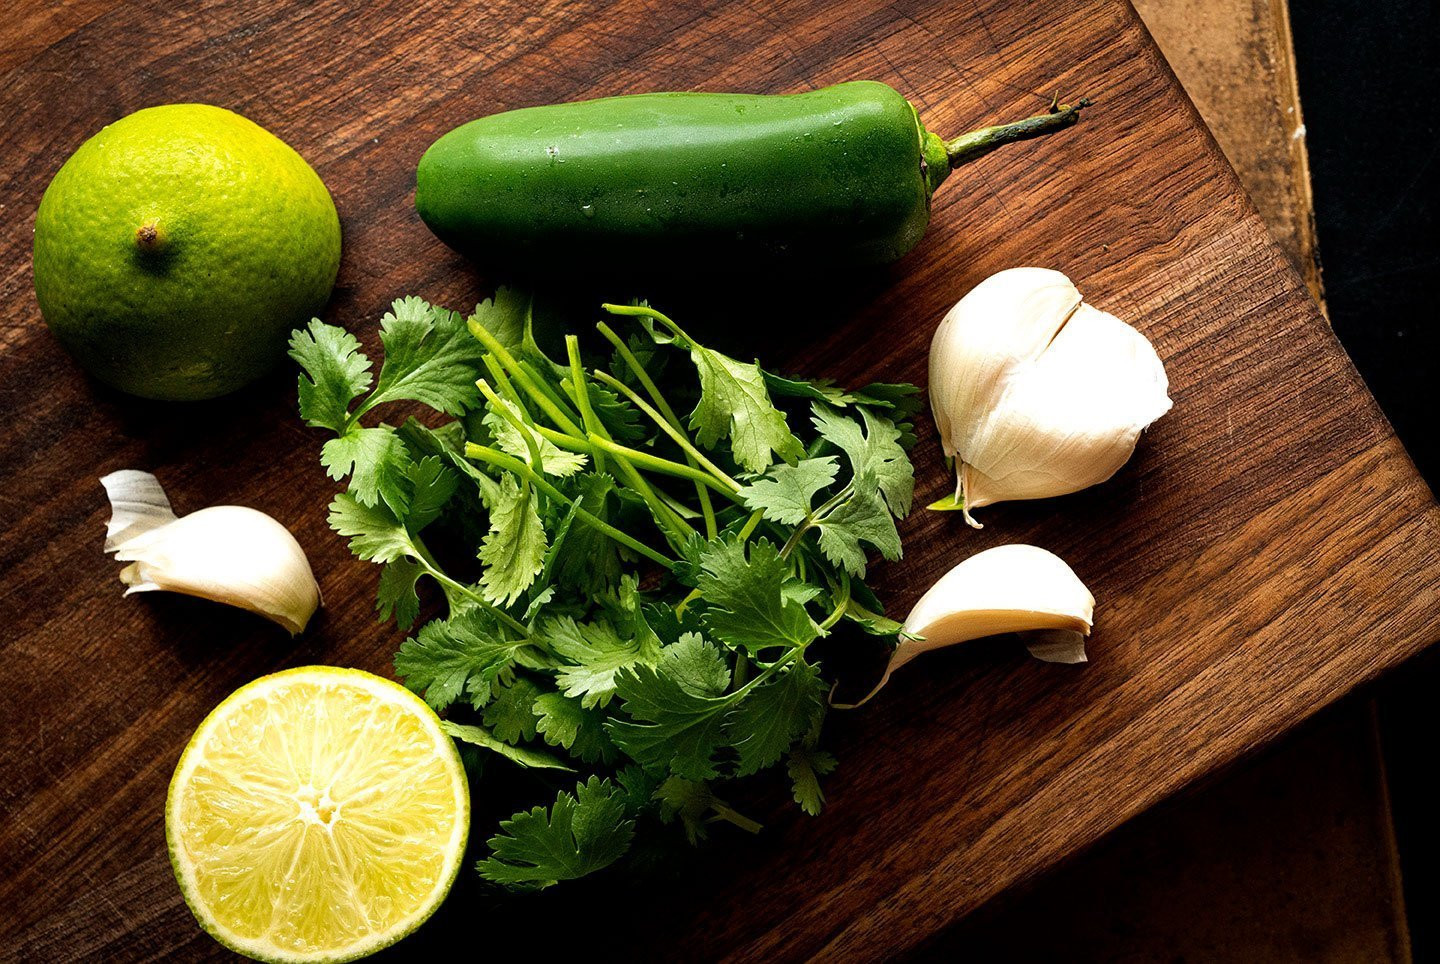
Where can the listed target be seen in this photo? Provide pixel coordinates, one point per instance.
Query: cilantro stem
(707, 510)
(556, 400)
(680, 606)
(769, 671)
(466, 591)
(502, 381)
(638, 370)
(675, 434)
(815, 515)
(843, 602)
(675, 505)
(680, 530)
(748, 529)
(567, 442)
(432, 568)
(624, 468)
(641, 375)
(644, 311)
(676, 529)
(582, 394)
(663, 466)
(492, 344)
(701, 492)
(517, 371)
(502, 408)
(766, 673)
(512, 464)
(726, 813)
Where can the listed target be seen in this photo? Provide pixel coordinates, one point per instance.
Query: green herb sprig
(578, 483)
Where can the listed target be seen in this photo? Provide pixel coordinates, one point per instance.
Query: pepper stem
(978, 143)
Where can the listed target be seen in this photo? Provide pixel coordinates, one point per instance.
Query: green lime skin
(177, 248)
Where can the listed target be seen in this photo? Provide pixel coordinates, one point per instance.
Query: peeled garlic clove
(226, 553)
(1007, 589)
(1037, 394)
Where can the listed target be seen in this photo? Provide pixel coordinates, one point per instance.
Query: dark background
(1368, 86)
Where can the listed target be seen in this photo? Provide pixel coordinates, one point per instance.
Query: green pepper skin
(687, 181)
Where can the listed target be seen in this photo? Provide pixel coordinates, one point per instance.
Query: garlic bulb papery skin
(1037, 394)
(1007, 589)
(226, 553)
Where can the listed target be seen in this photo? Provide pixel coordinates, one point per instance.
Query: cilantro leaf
(646, 685)
(579, 835)
(553, 459)
(806, 765)
(591, 562)
(378, 462)
(677, 731)
(734, 403)
(338, 373)
(764, 724)
(430, 357)
(814, 389)
(620, 418)
(396, 596)
(513, 551)
(639, 787)
(523, 755)
(690, 801)
(876, 452)
(565, 723)
(447, 442)
(464, 655)
(901, 398)
(595, 654)
(754, 602)
(431, 485)
(872, 622)
(510, 713)
(860, 518)
(503, 315)
(643, 349)
(696, 666)
(375, 533)
(785, 493)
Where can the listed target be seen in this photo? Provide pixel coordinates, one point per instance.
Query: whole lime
(177, 248)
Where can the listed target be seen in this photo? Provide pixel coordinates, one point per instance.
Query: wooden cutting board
(1269, 548)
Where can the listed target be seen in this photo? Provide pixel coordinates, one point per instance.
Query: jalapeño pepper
(697, 182)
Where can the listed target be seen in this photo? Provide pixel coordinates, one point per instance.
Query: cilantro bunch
(644, 589)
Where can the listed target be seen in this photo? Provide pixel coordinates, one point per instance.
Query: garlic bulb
(1036, 393)
(226, 553)
(1007, 589)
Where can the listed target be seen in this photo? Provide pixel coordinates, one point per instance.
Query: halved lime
(318, 814)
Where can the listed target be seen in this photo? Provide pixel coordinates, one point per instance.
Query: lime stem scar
(150, 237)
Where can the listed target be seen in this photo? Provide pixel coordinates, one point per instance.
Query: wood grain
(1269, 548)
(1280, 859)
(1236, 871)
(1236, 61)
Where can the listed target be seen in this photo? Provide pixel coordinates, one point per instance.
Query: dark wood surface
(1269, 548)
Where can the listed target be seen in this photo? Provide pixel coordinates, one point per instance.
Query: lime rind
(261, 950)
(176, 248)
